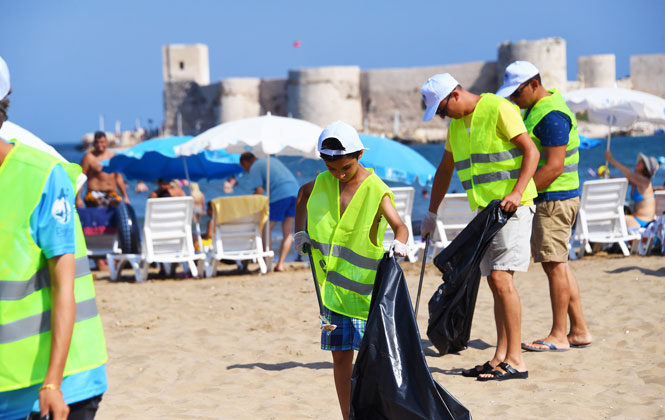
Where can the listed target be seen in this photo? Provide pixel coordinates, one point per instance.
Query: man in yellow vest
(52, 349)
(495, 159)
(346, 209)
(553, 128)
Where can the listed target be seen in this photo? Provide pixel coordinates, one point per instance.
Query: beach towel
(391, 379)
(452, 305)
(227, 209)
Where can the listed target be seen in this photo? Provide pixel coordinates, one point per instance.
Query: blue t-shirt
(282, 182)
(553, 130)
(52, 229)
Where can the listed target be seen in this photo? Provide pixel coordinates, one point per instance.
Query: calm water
(625, 150)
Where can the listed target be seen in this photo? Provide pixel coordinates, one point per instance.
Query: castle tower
(548, 55)
(186, 63)
(325, 94)
(597, 71)
(239, 98)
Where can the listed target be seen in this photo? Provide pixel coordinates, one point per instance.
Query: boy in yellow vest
(495, 159)
(553, 128)
(52, 349)
(346, 209)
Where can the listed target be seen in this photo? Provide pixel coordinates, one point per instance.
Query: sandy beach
(247, 347)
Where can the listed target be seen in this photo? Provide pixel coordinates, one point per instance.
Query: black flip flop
(510, 373)
(477, 370)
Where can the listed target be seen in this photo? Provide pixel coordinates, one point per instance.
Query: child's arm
(301, 206)
(389, 211)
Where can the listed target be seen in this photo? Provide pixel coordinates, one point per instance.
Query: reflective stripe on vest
(488, 166)
(345, 259)
(25, 287)
(569, 178)
(14, 290)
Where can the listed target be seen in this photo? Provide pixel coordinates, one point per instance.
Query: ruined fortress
(383, 101)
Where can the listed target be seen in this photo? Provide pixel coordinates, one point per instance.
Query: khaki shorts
(551, 229)
(510, 250)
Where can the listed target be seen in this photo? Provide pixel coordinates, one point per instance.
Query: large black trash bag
(452, 305)
(391, 379)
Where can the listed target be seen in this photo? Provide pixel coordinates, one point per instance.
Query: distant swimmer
(102, 186)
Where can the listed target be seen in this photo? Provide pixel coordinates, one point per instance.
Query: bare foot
(279, 268)
(560, 345)
(580, 339)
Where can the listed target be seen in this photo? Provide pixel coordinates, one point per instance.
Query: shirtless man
(101, 185)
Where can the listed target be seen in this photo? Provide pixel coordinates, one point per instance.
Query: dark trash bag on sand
(391, 379)
(452, 305)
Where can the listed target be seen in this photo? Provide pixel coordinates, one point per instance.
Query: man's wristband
(49, 386)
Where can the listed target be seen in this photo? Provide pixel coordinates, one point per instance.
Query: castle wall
(597, 71)
(198, 106)
(548, 55)
(239, 99)
(272, 96)
(186, 62)
(394, 94)
(325, 94)
(647, 73)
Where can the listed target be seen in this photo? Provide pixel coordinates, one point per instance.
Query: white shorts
(510, 249)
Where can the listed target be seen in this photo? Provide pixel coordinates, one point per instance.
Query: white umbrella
(10, 131)
(263, 136)
(617, 107)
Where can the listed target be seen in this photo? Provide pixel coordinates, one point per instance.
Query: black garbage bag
(452, 305)
(391, 379)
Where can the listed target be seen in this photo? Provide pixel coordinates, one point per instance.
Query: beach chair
(600, 218)
(660, 202)
(100, 231)
(238, 225)
(404, 204)
(167, 238)
(453, 215)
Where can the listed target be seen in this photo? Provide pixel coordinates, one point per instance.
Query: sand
(247, 347)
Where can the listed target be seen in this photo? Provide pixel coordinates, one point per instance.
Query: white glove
(300, 239)
(428, 225)
(399, 249)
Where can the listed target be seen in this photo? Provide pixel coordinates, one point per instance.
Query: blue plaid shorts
(348, 334)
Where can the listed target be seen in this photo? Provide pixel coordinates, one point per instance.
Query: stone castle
(383, 101)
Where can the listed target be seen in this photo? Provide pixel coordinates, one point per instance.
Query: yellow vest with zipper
(25, 284)
(487, 166)
(569, 179)
(345, 259)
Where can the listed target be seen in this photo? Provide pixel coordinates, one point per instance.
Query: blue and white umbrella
(393, 161)
(156, 158)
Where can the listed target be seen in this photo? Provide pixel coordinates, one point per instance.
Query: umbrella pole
(267, 231)
(196, 221)
(609, 139)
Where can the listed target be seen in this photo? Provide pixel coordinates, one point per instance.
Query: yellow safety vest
(345, 259)
(25, 284)
(487, 166)
(569, 179)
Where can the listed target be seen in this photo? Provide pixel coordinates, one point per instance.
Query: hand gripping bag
(452, 305)
(391, 379)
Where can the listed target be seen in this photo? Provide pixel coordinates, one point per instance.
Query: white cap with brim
(435, 90)
(4, 79)
(651, 163)
(516, 74)
(347, 136)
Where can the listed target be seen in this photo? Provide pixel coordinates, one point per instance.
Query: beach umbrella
(264, 136)
(10, 131)
(394, 161)
(156, 158)
(617, 107)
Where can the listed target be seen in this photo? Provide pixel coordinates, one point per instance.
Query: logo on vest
(61, 209)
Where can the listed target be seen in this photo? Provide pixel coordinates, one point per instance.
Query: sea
(624, 149)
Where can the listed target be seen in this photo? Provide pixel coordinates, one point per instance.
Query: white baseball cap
(346, 135)
(4, 79)
(516, 74)
(435, 90)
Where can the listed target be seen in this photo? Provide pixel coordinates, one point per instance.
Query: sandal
(509, 373)
(477, 370)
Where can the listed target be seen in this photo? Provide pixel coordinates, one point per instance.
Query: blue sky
(73, 60)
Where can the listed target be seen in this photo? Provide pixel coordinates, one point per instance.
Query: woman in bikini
(641, 193)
